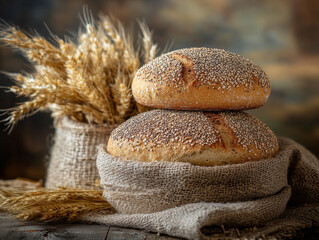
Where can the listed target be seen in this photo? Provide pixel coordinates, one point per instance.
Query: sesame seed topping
(250, 131)
(161, 127)
(210, 66)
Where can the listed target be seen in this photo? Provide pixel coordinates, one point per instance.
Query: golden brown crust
(202, 79)
(200, 138)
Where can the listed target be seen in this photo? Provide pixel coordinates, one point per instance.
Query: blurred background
(281, 36)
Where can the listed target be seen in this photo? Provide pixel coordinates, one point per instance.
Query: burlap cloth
(73, 155)
(276, 197)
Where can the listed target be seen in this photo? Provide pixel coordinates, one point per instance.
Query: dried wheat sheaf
(27, 200)
(88, 81)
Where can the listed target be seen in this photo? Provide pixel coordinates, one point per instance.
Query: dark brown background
(281, 36)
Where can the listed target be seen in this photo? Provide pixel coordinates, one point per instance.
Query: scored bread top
(209, 65)
(226, 81)
(201, 138)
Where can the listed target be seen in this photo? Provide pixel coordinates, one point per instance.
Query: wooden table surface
(11, 228)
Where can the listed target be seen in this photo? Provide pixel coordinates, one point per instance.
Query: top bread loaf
(201, 79)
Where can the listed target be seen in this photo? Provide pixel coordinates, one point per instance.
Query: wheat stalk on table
(28, 200)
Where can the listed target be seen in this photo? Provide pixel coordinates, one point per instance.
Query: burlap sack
(242, 195)
(73, 155)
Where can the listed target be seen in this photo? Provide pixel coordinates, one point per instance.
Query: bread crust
(200, 138)
(201, 79)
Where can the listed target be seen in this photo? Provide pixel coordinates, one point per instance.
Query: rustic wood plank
(10, 228)
(118, 233)
(50, 232)
(79, 232)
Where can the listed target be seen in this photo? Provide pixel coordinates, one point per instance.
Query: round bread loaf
(200, 138)
(201, 79)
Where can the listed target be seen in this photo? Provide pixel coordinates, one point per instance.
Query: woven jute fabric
(270, 198)
(73, 154)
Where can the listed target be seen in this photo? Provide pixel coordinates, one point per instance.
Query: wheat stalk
(88, 81)
(29, 201)
(150, 49)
